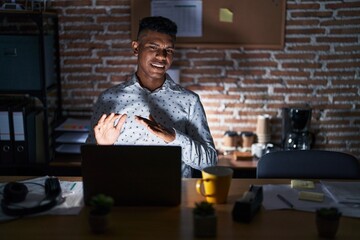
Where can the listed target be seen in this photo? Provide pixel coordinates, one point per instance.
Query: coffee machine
(296, 133)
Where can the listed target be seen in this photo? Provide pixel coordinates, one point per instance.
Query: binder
(40, 154)
(19, 127)
(6, 146)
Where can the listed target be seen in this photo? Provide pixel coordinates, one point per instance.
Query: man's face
(155, 53)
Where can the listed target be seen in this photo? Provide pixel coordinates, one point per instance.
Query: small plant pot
(327, 228)
(205, 226)
(99, 223)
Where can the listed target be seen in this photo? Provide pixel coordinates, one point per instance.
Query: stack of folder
(73, 133)
(21, 132)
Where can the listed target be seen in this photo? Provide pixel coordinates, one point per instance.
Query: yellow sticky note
(302, 184)
(225, 15)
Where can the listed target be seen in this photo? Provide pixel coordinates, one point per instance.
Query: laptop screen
(133, 175)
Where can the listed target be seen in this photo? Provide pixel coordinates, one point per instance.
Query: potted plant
(98, 217)
(327, 221)
(204, 219)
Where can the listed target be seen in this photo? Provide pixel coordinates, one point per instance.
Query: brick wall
(319, 65)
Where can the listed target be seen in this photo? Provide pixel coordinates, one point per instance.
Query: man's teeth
(158, 65)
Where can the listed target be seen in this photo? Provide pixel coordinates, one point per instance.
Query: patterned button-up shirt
(171, 106)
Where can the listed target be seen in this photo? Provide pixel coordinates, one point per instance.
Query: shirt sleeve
(198, 150)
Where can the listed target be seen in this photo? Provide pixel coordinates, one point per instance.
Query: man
(150, 109)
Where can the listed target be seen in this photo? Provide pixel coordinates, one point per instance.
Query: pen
(72, 187)
(284, 200)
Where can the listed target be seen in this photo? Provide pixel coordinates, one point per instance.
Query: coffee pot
(296, 133)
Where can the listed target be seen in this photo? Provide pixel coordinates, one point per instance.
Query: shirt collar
(167, 85)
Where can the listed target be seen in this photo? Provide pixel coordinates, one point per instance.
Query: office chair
(308, 164)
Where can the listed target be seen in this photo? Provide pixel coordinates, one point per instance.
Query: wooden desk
(242, 168)
(176, 223)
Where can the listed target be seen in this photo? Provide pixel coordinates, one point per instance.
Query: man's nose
(161, 53)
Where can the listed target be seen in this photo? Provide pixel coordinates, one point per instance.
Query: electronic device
(246, 207)
(296, 133)
(134, 175)
(16, 192)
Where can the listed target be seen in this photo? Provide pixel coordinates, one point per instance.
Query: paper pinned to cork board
(225, 15)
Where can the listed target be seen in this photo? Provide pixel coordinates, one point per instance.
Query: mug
(259, 149)
(215, 183)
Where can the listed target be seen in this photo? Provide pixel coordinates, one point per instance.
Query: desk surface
(230, 161)
(176, 222)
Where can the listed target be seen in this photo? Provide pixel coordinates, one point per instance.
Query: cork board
(254, 23)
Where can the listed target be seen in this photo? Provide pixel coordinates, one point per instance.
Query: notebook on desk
(132, 175)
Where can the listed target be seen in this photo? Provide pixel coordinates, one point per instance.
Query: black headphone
(15, 192)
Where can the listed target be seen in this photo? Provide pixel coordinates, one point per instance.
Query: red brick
(302, 6)
(205, 88)
(345, 31)
(313, 99)
(290, 73)
(91, 77)
(247, 72)
(355, 47)
(339, 56)
(261, 81)
(301, 65)
(112, 2)
(337, 39)
(106, 37)
(76, 69)
(306, 56)
(213, 63)
(205, 71)
(194, 55)
(293, 90)
(340, 22)
(119, 28)
(343, 73)
(84, 11)
(310, 48)
(72, 4)
(114, 69)
(113, 19)
(342, 5)
(250, 55)
(305, 31)
(319, 14)
(297, 40)
(302, 22)
(343, 65)
(347, 13)
(87, 28)
(73, 19)
(84, 61)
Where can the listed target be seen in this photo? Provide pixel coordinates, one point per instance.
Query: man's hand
(168, 135)
(106, 132)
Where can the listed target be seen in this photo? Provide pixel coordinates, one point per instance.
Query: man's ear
(135, 45)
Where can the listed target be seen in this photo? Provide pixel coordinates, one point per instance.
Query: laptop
(132, 175)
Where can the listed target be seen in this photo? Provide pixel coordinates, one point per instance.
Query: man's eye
(170, 51)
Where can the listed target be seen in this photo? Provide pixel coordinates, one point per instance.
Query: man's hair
(158, 24)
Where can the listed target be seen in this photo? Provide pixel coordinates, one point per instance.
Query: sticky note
(311, 196)
(298, 184)
(225, 15)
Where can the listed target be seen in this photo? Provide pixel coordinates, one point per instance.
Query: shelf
(30, 66)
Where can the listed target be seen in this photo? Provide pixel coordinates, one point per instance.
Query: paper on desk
(343, 192)
(272, 202)
(72, 192)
